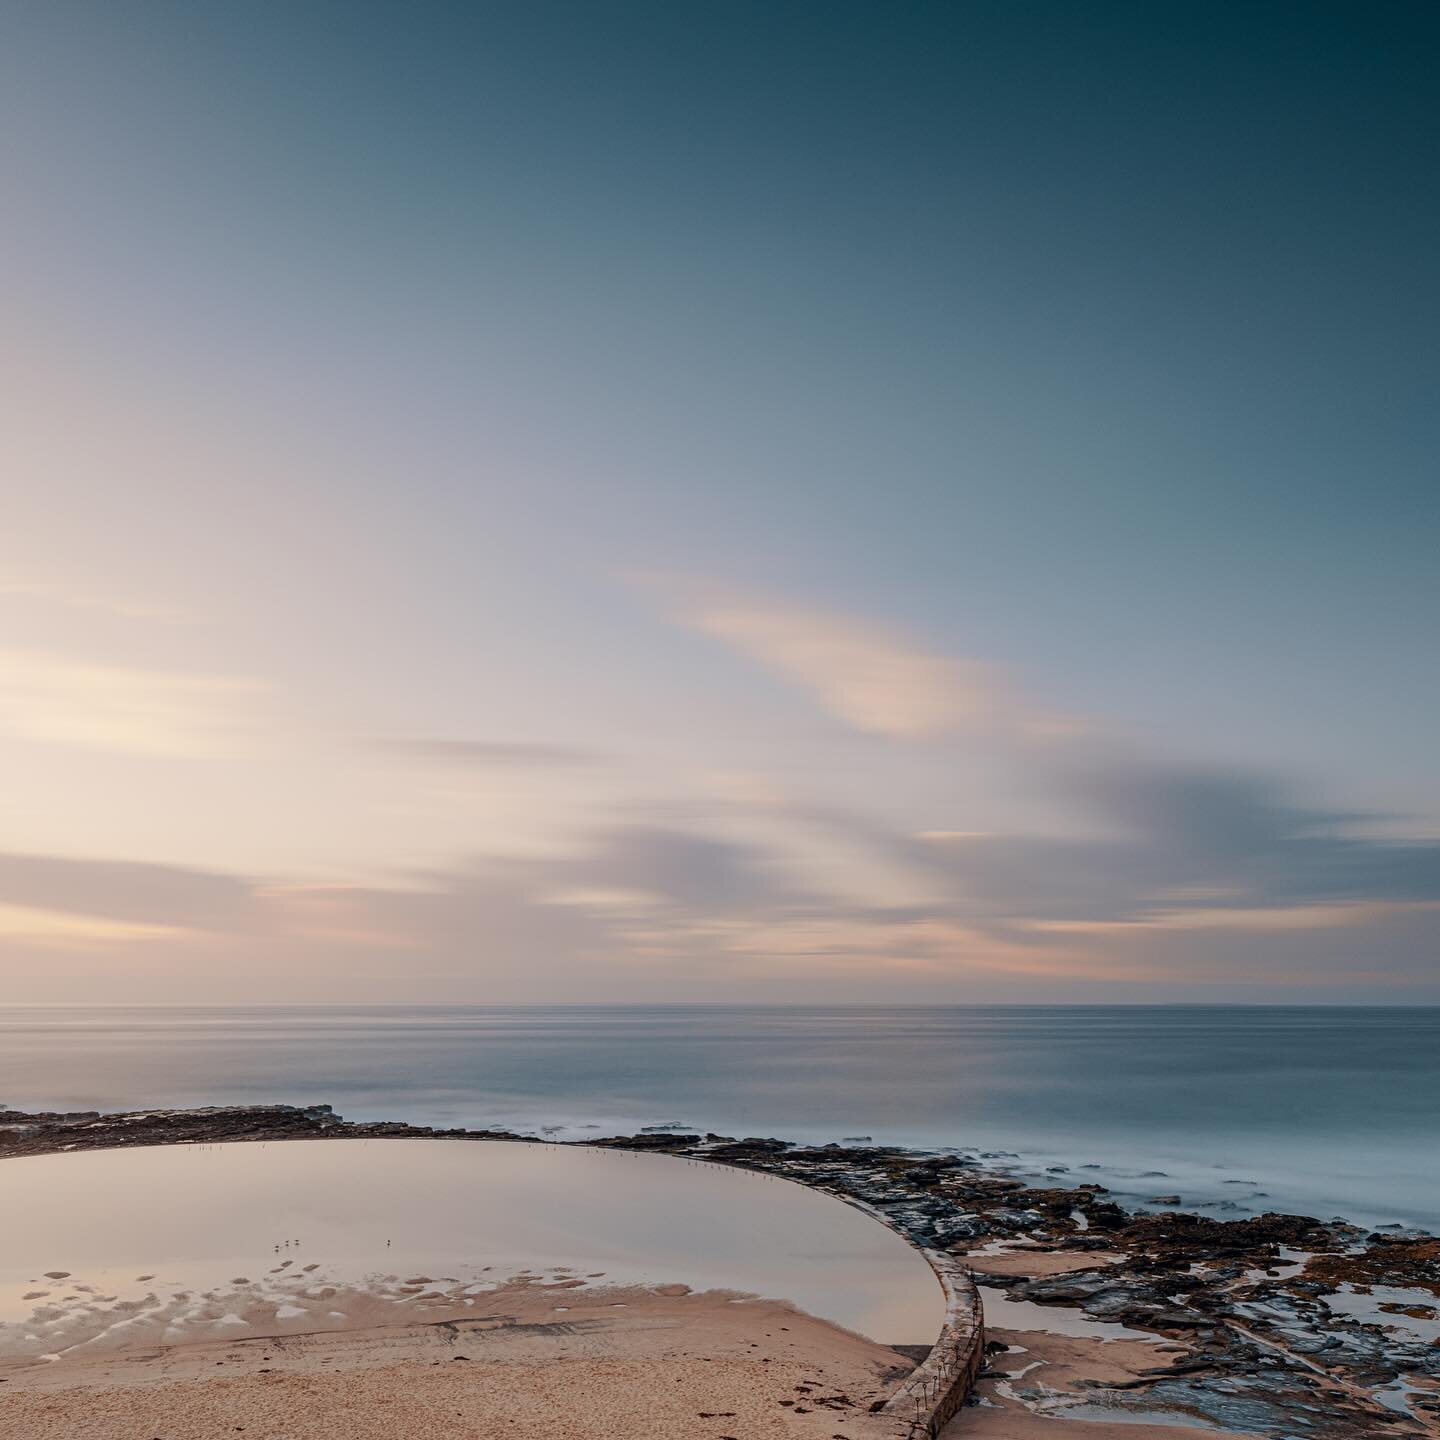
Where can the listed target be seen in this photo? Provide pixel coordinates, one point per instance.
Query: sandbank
(593, 1364)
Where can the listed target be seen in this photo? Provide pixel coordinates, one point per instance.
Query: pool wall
(942, 1383)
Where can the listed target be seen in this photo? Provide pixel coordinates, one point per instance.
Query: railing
(941, 1384)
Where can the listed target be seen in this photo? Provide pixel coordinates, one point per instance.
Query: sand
(1030, 1264)
(1063, 1363)
(537, 1365)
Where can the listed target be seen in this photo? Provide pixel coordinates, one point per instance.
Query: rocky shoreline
(1255, 1348)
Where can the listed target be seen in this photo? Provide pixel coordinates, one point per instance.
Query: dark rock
(664, 1141)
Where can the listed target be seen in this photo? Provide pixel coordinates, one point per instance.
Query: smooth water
(173, 1243)
(1316, 1110)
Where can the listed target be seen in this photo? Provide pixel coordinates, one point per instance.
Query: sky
(742, 502)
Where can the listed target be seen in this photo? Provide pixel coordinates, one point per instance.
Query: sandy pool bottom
(592, 1365)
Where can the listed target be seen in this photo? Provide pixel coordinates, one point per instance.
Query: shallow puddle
(1002, 1313)
(1367, 1308)
(1119, 1415)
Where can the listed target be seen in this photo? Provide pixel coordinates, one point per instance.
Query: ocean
(1326, 1111)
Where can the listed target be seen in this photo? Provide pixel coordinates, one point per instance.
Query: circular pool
(170, 1243)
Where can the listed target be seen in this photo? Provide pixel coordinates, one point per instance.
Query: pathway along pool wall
(941, 1385)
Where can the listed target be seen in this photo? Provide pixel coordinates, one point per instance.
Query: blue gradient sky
(724, 502)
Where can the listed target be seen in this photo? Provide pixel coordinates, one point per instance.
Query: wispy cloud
(664, 910)
(78, 597)
(57, 930)
(1159, 866)
(128, 892)
(872, 678)
(1171, 844)
(678, 868)
(59, 700)
(493, 753)
(1160, 841)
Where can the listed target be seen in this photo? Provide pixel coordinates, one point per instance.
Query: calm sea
(1329, 1111)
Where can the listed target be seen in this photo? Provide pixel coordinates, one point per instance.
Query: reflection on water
(1003, 1313)
(188, 1242)
(1409, 1311)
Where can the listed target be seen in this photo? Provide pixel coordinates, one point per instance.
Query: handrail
(942, 1383)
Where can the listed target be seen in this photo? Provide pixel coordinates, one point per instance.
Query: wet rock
(753, 1148)
(1387, 1260)
(1210, 1238)
(663, 1141)
(46, 1132)
(1066, 1289)
(1105, 1216)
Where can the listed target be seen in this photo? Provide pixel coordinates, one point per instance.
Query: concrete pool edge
(938, 1388)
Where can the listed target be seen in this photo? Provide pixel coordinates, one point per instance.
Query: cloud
(871, 678)
(1372, 953)
(482, 923)
(1156, 838)
(51, 930)
(745, 890)
(1179, 841)
(128, 892)
(1252, 841)
(74, 597)
(518, 919)
(861, 674)
(161, 931)
(1202, 812)
(648, 910)
(518, 754)
(678, 868)
(60, 701)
